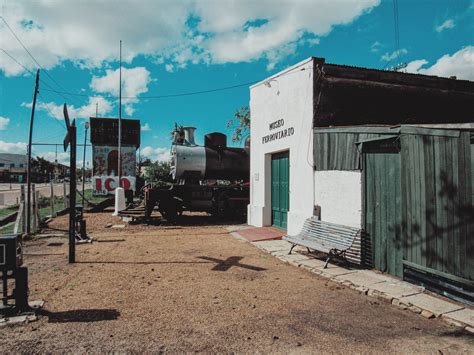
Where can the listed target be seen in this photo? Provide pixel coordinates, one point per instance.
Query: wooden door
(280, 189)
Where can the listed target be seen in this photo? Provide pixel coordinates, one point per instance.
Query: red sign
(104, 185)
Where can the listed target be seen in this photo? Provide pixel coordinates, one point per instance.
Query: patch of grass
(8, 229)
(8, 210)
(91, 198)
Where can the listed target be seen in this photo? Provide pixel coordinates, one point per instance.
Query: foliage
(158, 173)
(240, 123)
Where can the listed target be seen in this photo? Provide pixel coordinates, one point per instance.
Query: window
(21, 165)
(2, 165)
(12, 165)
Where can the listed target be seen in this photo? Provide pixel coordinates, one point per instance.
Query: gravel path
(196, 288)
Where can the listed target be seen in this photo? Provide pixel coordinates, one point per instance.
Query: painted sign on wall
(281, 133)
(105, 185)
(105, 165)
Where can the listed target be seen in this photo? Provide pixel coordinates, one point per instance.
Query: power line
(110, 97)
(42, 81)
(50, 112)
(29, 53)
(33, 74)
(396, 28)
(164, 96)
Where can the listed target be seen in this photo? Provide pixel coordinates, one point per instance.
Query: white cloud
(414, 65)
(21, 148)
(160, 154)
(4, 121)
(446, 25)
(62, 157)
(134, 83)
(387, 57)
(236, 38)
(85, 111)
(172, 32)
(145, 128)
(459, 64)
(375, 47)
(10, 147)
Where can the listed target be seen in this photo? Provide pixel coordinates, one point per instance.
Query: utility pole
(28, 174)
(84, 163)
(96, 109)
(120, 121)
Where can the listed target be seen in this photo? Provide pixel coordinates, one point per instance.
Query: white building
(287, 110)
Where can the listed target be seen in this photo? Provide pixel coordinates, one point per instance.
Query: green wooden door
(382, 174)
(280, 189)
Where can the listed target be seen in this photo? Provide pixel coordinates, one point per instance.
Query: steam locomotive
(212, 178)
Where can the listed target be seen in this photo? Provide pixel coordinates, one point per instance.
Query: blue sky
(174, 47)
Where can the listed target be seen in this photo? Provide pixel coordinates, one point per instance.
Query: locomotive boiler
(210, 178)
(214, 160)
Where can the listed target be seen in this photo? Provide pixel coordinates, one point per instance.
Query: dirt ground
(195, 288)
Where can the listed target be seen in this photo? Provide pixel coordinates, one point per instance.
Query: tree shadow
(224, 265)
(80, 315)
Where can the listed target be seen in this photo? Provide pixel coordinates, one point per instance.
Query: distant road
(11, 197)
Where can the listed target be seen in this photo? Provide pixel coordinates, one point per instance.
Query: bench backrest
(340, 236)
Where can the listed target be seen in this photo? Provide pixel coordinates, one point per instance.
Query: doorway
(280, 189)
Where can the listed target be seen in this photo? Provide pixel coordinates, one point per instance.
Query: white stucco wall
(339, 193)
(287, 95)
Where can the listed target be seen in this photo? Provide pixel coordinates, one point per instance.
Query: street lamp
(86, 125)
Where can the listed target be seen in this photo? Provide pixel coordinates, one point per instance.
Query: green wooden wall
(419, 201)
(437, 203)
(336, 149)
(381, 209)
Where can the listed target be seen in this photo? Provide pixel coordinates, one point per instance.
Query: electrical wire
(31, 55)
(396, 29)
(164, 96)
(34, 74)
(62, 93)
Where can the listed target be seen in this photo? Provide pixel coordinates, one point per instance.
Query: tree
(158, 173)
(240, 123)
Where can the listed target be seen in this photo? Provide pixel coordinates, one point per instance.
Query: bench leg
(291, 249)
(327, 261)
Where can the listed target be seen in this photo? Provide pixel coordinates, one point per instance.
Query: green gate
(280, 189)
(382, 175)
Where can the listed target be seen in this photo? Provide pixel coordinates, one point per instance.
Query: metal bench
(330, 238)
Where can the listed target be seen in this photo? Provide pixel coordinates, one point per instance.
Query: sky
(171, 48)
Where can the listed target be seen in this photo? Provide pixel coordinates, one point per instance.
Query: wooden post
(51, 197)
(18, 219)
(28, 175)
(38, 217)
(64, 195)
(35, 221)
(23, 209)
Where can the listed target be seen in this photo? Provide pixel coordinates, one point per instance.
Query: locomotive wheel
(169, 214)
(170, 210)
(223, 208)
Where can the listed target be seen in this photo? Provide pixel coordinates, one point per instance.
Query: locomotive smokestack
(189, 135)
